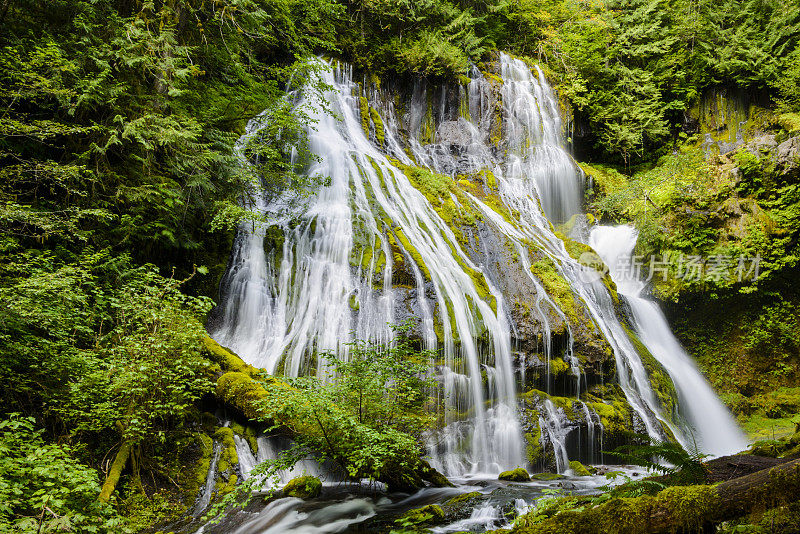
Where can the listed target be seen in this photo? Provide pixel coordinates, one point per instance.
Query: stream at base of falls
(348, 508)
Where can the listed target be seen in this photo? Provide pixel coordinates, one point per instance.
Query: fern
(670, 459)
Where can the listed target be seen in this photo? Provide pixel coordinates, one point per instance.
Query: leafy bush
(364, 412)
(101, 350)
(44, 489)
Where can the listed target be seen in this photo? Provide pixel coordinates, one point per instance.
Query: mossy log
(226, 359)
(679, 508)
(760, 490)
(114, 473)
(239, 389)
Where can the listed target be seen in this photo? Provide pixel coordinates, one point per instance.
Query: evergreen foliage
(118, 176)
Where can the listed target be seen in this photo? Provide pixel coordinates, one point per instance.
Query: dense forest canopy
(120, 189)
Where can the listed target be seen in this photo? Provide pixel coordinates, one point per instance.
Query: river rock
(763, 144)
(305, 487)
(579, 469)
(431, 514)
(515, 475)
(547, 476)
(461, 506)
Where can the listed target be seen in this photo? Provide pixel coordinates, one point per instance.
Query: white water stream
(711, 427)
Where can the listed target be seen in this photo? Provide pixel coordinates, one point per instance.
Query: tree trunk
(678, 508)
(114, 473)
(760, 490)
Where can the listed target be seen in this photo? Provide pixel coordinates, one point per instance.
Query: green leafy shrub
(43, 488)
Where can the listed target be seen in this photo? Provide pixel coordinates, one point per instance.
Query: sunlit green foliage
(120, 117)
(44, 489)
(365, 412)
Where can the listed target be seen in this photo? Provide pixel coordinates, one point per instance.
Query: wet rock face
(788, 154)
(454, 134)
(762, 144)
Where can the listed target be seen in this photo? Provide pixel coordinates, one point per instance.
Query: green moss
(242, 392)
(366, 259)
(436, 187)
(789, 121)
(206, 446)
(226, 358)
(412, 251)
(464, 497)
(558, 366)
(546, 477)
(237, 428)
(379, 130)
(560, 402)
(660, 381)
(684, 507)
(427, 515)
(691, 504)
(614, 411)
(515, 475)
(305, 487)
(605, 180)
(493, 78)
(534, 450)
(557, 288)
(579, 469)
(228, 459)
(363, 108)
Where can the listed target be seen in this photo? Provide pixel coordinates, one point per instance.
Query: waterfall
(247, 460)
(550, 423)
(277, 319)
(375, 244)
(710, 423)
(530, 110)
(208, 487)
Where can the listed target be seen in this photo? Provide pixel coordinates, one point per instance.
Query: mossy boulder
(579, 469)
(515, 475)
(461, 506)
(433, 477)
(431, 514)
(547, 477)
(464, 497)
(305, 487)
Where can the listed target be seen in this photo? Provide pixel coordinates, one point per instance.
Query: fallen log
(678, 508)
(239, 389)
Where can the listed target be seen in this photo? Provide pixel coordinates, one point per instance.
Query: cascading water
(529, 110)
(306, 305)
(550, 423)
(711, 424)
(333, 276)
